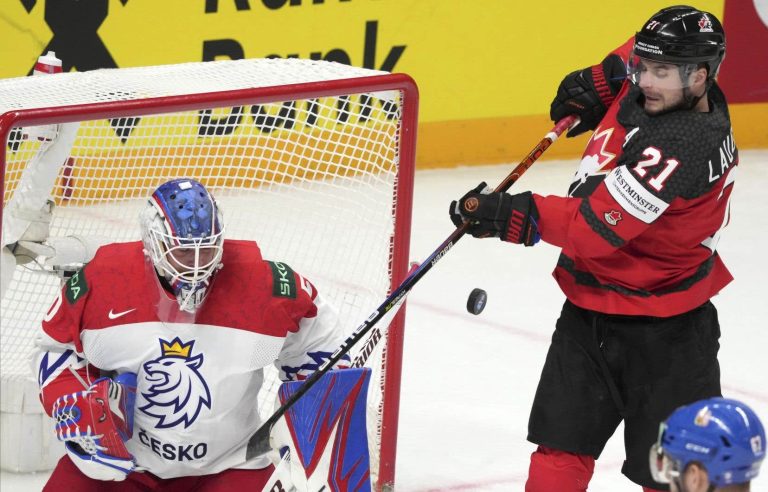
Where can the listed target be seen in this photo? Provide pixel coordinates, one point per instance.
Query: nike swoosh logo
(113, 315)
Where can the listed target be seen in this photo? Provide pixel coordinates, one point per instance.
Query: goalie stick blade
(258, 445)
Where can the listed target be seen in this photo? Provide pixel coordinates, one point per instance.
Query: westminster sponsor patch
(283, 280)
(76, 287)
(633, 197)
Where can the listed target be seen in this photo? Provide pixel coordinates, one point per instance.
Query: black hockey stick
(258, 444)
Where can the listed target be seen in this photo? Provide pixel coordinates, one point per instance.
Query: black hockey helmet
(682, 35)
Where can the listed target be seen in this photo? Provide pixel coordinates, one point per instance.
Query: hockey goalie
(151, 357)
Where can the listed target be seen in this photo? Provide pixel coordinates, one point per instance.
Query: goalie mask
(182, 233)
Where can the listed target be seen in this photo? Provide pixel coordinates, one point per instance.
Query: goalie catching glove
(511, 218)
(94, 425)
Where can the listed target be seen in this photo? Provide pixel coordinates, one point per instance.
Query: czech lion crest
(173, 388)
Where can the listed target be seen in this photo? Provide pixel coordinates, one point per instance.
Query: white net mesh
(137, 83)
(313, 181)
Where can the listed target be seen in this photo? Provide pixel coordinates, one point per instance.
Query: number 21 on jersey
(653, 157)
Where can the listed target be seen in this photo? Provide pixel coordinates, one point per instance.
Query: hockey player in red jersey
(638, 335)
(151, 357)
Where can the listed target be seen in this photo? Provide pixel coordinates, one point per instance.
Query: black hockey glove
(588, 93)
(511, 218)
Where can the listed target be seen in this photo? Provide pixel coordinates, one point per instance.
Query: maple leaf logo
(705, 25)
(613, 217)
(596, 157)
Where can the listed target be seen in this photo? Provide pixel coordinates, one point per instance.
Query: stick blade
(258, 444)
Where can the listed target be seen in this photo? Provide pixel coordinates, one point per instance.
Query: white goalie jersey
(197, 381)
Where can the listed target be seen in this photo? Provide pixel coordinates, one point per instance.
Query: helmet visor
(645, 72)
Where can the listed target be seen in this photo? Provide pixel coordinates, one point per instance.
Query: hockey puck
(476, 301)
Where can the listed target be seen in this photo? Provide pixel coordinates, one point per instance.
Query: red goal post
(313, 160)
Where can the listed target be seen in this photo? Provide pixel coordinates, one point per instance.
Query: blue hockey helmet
(182, 233)
(725, 436)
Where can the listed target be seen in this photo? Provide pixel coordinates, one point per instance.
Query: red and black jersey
(645, 210)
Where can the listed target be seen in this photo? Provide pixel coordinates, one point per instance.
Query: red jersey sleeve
(60, 366)
(62, 322)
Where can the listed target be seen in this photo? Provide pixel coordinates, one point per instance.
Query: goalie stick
(258, 444)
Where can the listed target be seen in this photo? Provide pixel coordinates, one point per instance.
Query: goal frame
(263, 95)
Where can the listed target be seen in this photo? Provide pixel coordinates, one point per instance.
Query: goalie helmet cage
(314, 160)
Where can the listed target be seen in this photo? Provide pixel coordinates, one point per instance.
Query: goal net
(313, 160)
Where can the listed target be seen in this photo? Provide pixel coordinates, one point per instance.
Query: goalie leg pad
(326, 432)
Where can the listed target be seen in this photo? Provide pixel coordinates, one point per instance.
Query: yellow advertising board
(486, 69)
